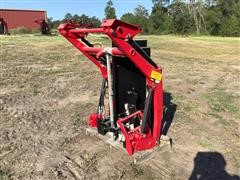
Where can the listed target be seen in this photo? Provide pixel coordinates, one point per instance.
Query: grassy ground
(48, 89)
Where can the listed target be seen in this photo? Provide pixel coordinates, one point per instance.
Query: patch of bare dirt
(46, 97)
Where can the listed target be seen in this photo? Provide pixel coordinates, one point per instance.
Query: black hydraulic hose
(101, 98)
(147, 113)
(87, 42)
(91, 45)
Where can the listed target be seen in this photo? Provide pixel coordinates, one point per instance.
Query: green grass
(206, 144)
(217, 40)
(167, 46)
(238, 163)
(195, 47)
(221, 101)
(5, 174)
(189, 106)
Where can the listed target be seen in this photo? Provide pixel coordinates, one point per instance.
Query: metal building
(22, 18)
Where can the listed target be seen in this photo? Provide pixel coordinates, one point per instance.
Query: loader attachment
(130, 105)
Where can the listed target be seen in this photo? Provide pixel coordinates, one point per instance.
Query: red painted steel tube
(144, 66)
(122, 120)
(157, 111)
(80, 46)
(124, 131)
(85, 30)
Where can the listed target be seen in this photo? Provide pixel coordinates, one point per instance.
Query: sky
(58, 8)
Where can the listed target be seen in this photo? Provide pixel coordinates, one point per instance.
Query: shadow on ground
(168, 113)
(210, 166)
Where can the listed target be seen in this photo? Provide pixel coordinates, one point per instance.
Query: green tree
(229, 22)
(181, 22)
(96, 22)
(160, 20)
(50, 22)
(141, 11)
(129, 18)
(223, 18)
(84, 19)
(68, 16)
(109, 10)
(140, 17)
(215, 17)
(213, 20)
(75, 17)
(55, 24)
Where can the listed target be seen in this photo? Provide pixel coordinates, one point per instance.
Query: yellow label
(156, 75)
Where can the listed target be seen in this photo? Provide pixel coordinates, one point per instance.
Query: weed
(65, 141)
(79, 120)
(206, 144)
(136, 169)
(35, 90)
(5, 174)
(238, 163)
(188, 106)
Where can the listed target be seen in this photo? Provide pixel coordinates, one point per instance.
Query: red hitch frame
(141, 137)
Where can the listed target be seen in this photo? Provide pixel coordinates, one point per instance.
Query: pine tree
(68, 16)
(110, 10)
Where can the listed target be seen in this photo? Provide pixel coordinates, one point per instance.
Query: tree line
(211, 17)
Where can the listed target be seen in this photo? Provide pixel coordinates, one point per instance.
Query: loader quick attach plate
(139, 157)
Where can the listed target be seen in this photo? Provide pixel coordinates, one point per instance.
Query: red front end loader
(132, 81)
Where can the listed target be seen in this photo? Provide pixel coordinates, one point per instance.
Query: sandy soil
(48, 89)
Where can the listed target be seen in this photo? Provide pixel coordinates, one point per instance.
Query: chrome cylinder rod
(110, 89)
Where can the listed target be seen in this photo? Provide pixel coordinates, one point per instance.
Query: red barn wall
(22, 18)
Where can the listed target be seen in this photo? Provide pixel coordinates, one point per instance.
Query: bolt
(132, 52)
